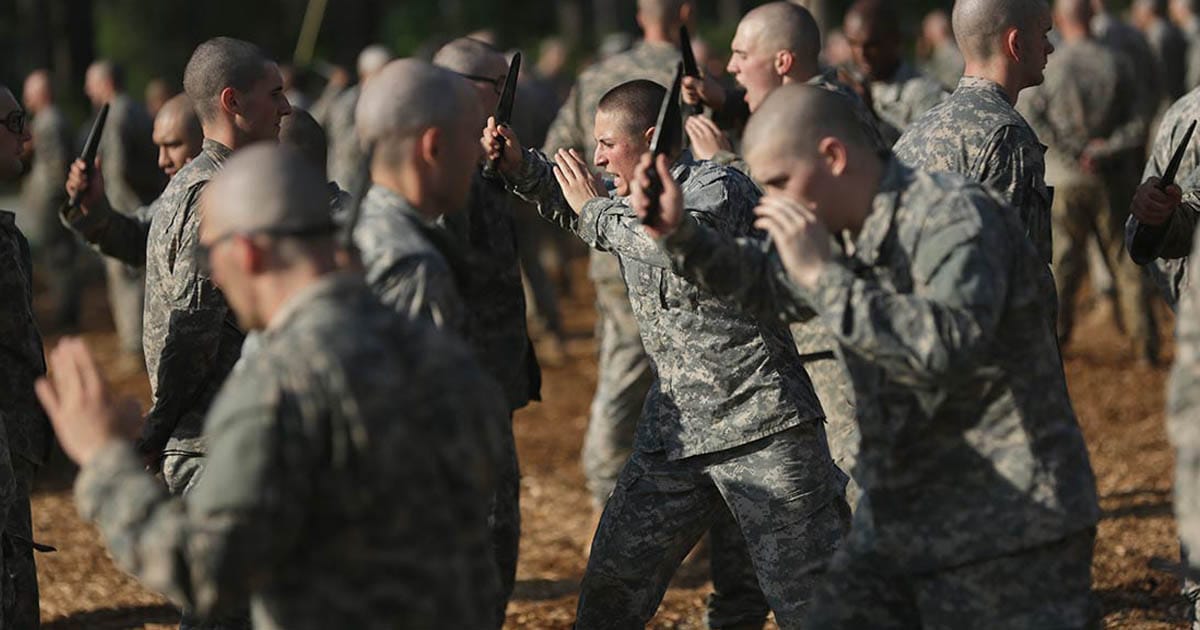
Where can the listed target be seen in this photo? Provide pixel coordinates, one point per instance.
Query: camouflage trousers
(126, 299)
(21, 606)
(1044, 587)
(533, 240)
(181, 471)
(832, 384)
(624, 379)
(1088, 207)
(784, 492)
(505, 522)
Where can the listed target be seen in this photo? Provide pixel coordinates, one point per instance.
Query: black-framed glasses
(15, 121)
(497, 82)
(203, 251)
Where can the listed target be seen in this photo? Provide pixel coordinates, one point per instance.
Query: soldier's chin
(620, 186)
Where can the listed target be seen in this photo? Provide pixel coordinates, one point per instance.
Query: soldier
(977, 132)
(898, 93)
(345, 155)
(1113, 32)
(25, 441)
(978, 506)
(1166, 42)
(775, 44)
(778, 44)
(943, 60)
(192, 339)
(367, 450)
(1092, 157)
(492, 293)
(304, 133)
(731, 421)
(178, 134)
(624, 372)
(42, 195)
(133, 181)
(158, 92)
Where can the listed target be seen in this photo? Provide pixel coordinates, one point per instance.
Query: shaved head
(636, 104)
(795, 118)
(219, 63)
(876, 15)
(980, 25)
(302, 131)
(407, 97)
(1073, 12)
(663, 12)
(372, 59)
(266, 188)
(179, 109)
(107, 71)
(471, 56)
(39, 90)
(784, 26)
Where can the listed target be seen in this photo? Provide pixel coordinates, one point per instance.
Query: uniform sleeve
(744, 270)
(1183, 415)
(536, 184)
(205, 552)
(961, 272)
(196, 320)
(1011, 166)
(114, 234)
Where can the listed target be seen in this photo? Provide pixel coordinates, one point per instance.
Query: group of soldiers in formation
(831, 314)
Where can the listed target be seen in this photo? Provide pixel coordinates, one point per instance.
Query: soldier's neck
(1001, 75)
(412, 188)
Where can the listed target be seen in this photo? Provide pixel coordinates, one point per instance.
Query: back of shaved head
(794, 118)
(471, 56)
(407, 97)
(266, 188)
(785, 26)
(302, 131)
(180, 108)
(219, 63)
(372, 59)
(979, 25)
(661, 11)
(1077, 12)
(109, 71)
(880, 15)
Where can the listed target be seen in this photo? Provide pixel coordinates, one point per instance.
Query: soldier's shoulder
(1188, 106)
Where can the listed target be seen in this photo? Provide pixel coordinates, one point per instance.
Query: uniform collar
(878, 225)
(218, 151)
(330, 284)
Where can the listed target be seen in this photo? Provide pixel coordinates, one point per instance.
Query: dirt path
(1119, 406)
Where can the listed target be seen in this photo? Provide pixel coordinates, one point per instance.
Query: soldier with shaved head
(178, 134)
(977, 132)
(898, 93)
(192, 338)
(367, 450)
(731, 422)
(979, 500)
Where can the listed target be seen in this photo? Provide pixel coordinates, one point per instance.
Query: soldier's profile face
(618, 149)
(264, 106)
(11, 142)
(752, 65)
(876, 49)
(1039, 47)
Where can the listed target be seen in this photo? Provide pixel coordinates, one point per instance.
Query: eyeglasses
(497, 83)
(15, 121)
(203, 251)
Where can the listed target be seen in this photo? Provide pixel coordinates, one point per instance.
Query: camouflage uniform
(132, 179)
(367, 449)
(1126, 40)
(345, 153)
(1087, 204)
(978, 134)
(421, 271)
(730, 419)
(979, 497)
(1191, 32)
(495, 327)
(24, 430)
(900, 100)
(1185, 431)
(1170, 52)
(1164, 249)
(624, 371)
(945, 65)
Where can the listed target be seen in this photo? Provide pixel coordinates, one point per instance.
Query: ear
(648, 135)
(250, 258)
(228, 101)
(784, 62)
(833, 152)
(1012, 44)
(430, 145)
